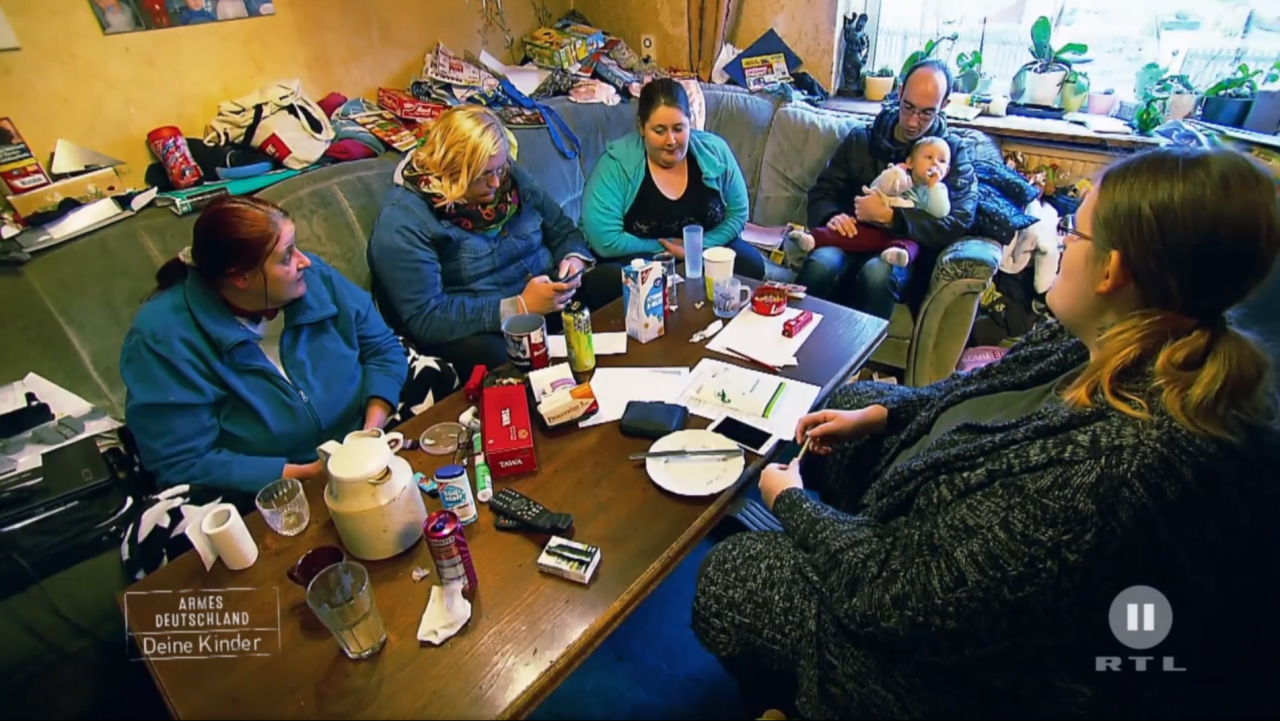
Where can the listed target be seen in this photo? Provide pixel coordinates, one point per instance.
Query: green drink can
(577, 337)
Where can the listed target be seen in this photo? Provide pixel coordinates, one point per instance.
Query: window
(1203, 39)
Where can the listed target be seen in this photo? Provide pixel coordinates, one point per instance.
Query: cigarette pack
(407, 107)
(508, 433)
(569, 559)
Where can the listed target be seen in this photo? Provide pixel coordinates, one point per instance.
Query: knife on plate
(721, 452)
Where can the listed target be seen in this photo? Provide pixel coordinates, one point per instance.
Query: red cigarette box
(793, 327)
(508, 435)
(404, 105)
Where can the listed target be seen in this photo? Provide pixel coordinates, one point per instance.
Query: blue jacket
(437, 283)
(207, 406)
(616, 181)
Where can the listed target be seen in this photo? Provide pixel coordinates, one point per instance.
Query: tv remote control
(528, 512)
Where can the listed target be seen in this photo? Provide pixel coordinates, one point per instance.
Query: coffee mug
(313, 562)
(730, 295)
(526, 336)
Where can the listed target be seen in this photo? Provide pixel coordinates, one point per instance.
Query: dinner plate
(694, 476)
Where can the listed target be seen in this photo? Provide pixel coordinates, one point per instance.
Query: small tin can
(577, 337)
(455, 493)
(448, 543)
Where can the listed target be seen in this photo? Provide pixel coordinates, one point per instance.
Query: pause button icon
(1141, 613)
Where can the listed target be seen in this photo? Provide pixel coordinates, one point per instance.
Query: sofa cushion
(334, 209)
(801, 142)
(744, 121)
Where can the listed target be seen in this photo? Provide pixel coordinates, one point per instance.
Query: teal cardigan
(616, 181)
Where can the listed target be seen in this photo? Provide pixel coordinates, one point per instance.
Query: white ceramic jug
(374, 503)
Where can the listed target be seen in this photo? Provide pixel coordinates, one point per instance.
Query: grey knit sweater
(977, 577)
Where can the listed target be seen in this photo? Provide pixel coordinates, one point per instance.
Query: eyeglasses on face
(1067, 228)
(925, 114)
(499, 174)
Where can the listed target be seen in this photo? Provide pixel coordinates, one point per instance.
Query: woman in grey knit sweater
(978, 538)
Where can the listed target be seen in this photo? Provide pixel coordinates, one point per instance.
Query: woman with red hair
(251, 353)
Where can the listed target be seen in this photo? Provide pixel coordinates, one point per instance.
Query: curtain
(708, 24)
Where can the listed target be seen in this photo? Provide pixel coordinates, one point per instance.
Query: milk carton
(643, 297)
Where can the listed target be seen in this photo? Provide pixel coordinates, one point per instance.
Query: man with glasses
(862, 280)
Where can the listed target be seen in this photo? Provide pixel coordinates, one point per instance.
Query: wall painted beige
(70, 81)
(808, 26)
(666, 20)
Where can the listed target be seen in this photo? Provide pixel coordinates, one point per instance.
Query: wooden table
(527, 631)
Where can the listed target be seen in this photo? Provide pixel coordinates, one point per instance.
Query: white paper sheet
(604, 344)
(760, 337)
(796, 399)
(526, 78)
(615, 387)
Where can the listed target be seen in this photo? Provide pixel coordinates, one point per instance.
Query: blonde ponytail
(1211, 378)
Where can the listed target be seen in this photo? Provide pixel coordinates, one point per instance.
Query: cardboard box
(551, 48)
(592, 39)
(405, 106)
(19, 169)
(508, 434)
(96, 185)
(573, 560)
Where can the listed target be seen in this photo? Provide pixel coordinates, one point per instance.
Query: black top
(653, 215)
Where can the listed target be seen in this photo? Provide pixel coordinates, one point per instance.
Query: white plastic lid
(638, 263)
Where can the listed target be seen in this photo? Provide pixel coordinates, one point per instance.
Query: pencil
(803, 448)
(754, 360)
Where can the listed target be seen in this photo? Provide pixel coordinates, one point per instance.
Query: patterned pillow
(1007, 181)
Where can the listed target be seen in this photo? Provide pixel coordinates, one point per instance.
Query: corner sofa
(67, 310)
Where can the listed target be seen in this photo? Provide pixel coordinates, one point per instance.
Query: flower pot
(1230, 112)
(1100, 104)
(1043, 88)
(1181, 105)
(1074, 96)
(877, 88)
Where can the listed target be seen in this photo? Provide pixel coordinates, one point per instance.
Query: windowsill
(1016, 126)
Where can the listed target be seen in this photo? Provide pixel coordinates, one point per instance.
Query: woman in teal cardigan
(650, 184)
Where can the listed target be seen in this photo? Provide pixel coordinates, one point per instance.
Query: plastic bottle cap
(447, 472)
(637, 263)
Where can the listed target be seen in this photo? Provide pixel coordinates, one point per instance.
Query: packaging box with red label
(404, 105)
(508, 434)
(18, 166)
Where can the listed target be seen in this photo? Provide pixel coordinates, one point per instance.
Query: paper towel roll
(230, 538)
(999, 107)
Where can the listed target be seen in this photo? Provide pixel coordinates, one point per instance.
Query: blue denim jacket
(436, 283)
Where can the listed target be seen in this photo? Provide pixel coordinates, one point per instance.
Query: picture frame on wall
(126, 16)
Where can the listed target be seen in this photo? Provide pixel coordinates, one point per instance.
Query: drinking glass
(668, 262)
(730, 296)
(342, 598)
(284, 505)
(693, 251)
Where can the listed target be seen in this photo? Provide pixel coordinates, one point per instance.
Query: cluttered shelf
(1056, 131)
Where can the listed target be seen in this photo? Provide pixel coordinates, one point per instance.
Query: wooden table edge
(591, 639)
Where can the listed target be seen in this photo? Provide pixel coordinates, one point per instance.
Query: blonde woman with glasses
(466, 239)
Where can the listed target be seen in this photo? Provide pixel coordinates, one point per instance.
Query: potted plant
(1180, 93)
(1150, 115)
(1040, 81)
(878, 83)
(970, 78)
(1075, 90)
(1227, 102)
(1102, 103)
(930, 49)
